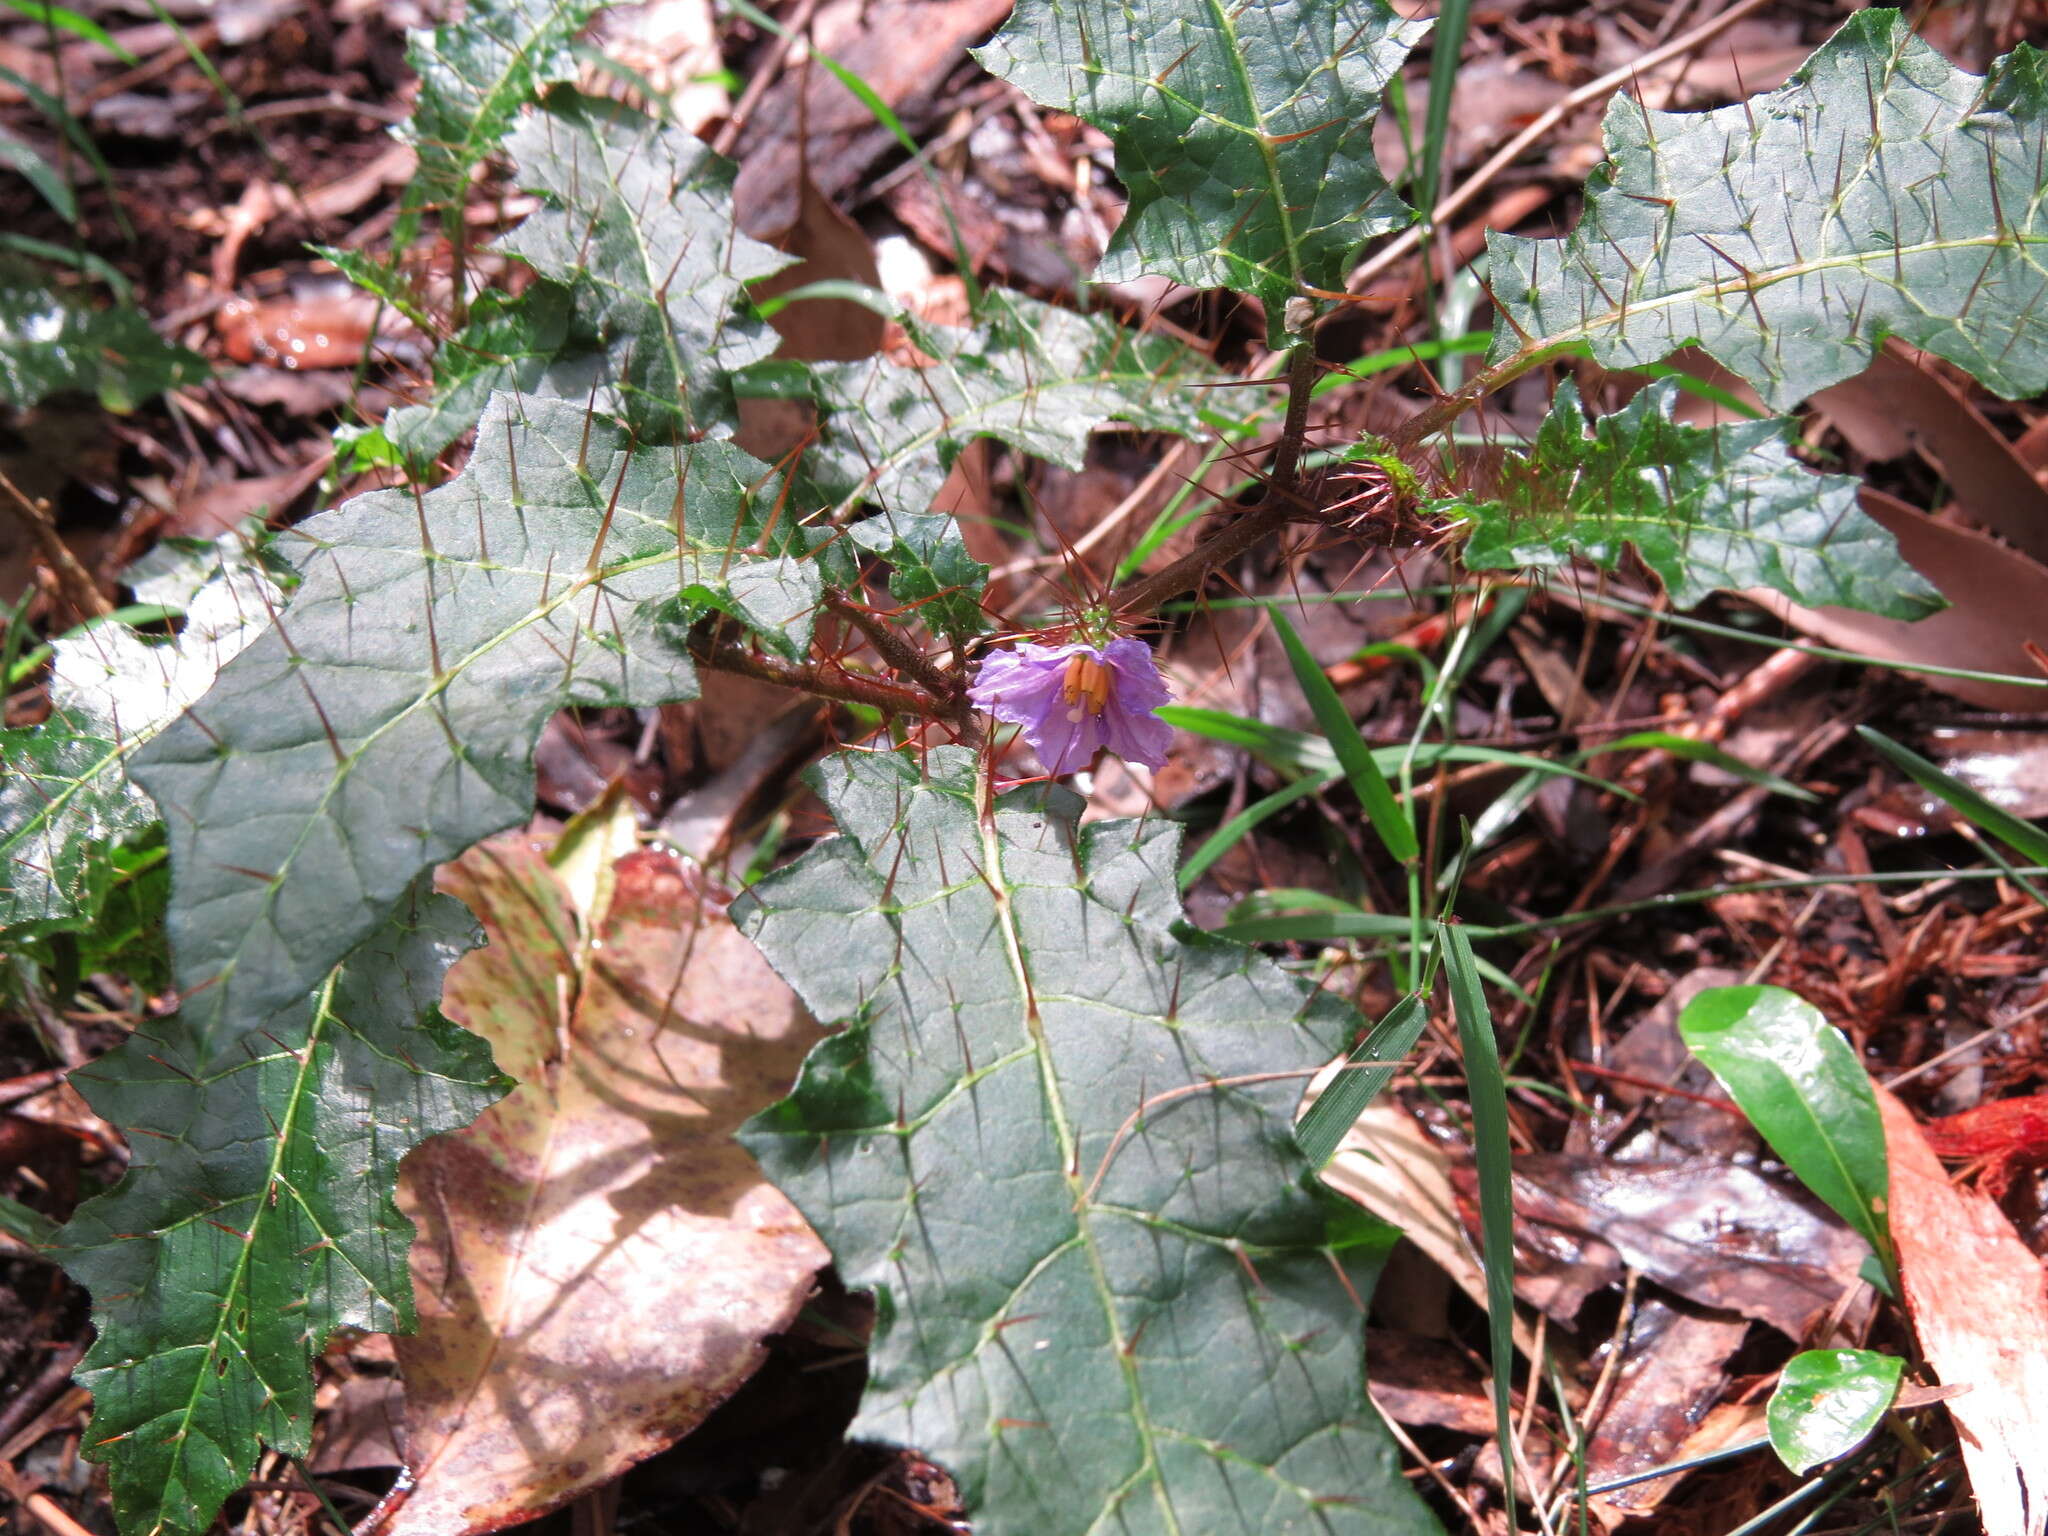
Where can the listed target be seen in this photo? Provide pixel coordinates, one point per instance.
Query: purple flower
(1074, 700)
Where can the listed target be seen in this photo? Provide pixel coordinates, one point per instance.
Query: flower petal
(1139, 687)
(1065, 739)
(1022, 684)
(1027, 686)
(1142, 738)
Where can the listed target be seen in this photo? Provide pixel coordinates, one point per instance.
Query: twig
(1509, 152)
(77, 582)
(895, 647)
(808, 677)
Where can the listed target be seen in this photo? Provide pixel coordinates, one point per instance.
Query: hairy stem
(1279, 503)
(726, 655)
(895, 647)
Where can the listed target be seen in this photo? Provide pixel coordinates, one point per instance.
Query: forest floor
(249, 131)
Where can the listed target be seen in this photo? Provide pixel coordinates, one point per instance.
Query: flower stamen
(1087, 683)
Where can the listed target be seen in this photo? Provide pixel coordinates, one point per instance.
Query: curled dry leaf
(1719, 1234)
(1979, 1301)
(1998, 599)
(597, 1261)
(1901, 402)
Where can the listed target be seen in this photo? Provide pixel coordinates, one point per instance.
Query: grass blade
(1226, 837)
(2023, 837)
(1371, 786)
(1488, 1088)
(1321, 1130)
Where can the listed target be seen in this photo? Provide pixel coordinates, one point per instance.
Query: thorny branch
(1273, 511)
(724, 654)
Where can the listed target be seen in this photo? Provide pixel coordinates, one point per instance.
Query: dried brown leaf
(597, 1261)
(1979, 1302)
(1998, 601)
(1717, 1233)
(1900, 402)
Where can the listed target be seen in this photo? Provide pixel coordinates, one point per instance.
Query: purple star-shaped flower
(1073, 700)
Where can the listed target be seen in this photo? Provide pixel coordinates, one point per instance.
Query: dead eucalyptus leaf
(1998, 601)
(1979, 1302)
(597, 1261)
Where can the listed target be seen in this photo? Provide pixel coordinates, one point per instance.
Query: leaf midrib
(997, 880)
(273, 1177)
(1769, 277)
(573, 588)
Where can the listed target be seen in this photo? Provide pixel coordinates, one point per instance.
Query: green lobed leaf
(387, 722)
(1094, 1326)
(1706, 508)
(50, 345)
(66, 803)
(639, 221)
(1031, 375)
(1243, 133)
(1798, 1080)
(475, 75)
(930, 569)
(257, 1214)
(526, 344)
(1039, 378)
(1879, 192)
(1827, 1402)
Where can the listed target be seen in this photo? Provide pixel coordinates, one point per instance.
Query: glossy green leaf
(1243, 133)
(257, 1214)
(1798, 1080)
(66, 803)
(52, 345)
(1707, 509)
(1879, 192)
(475, 75)
(1063, 1285)
(1827, 1402)
(387, 722)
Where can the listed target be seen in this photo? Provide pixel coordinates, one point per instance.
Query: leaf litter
(1946, 965)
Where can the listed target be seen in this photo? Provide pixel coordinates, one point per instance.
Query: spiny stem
(1440, 413)
(1274, 508)
(1301, 380)
(725, 655)
(1279, 504)
(896, 648)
